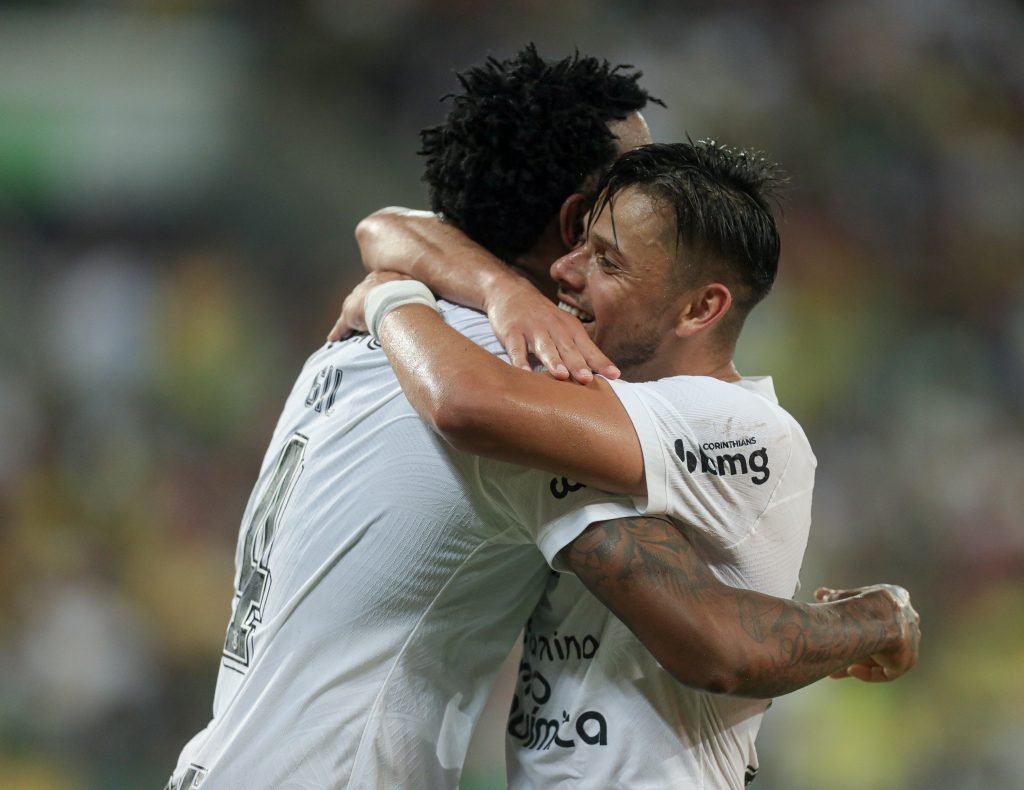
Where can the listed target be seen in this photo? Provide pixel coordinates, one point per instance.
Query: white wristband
(385, 297)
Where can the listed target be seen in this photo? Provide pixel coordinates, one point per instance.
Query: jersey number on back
(254, 573)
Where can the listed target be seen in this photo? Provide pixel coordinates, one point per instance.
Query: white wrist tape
(384, 298)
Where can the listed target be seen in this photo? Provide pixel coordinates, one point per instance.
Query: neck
(726, 372)
(683, 361)
(536, 269)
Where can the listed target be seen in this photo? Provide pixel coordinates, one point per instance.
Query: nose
(567, 271)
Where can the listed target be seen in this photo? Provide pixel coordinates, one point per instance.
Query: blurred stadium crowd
(179, 182)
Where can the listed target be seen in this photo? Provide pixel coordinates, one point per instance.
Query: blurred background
(179, 183)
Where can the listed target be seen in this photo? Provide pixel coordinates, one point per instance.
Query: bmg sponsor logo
(727, 464)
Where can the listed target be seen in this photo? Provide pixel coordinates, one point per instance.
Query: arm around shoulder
(484, 406)
(423, 246)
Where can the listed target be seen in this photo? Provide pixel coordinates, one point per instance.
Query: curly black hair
(523, 136)
(721, 198)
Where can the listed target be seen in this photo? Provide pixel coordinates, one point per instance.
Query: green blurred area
(179, 183)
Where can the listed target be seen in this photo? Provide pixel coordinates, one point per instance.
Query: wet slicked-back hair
(523, 136)
(721, 199)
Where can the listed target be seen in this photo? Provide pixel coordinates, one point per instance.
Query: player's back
(363, 637)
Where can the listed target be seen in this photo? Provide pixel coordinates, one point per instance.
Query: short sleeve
(714, 452)
(551, 510)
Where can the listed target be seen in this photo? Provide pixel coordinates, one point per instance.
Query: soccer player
(382, 576)
(681, 246)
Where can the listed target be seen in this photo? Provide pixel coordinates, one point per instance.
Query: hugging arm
(727, 640)
(706, 634)
(420, 245)
(483, 406)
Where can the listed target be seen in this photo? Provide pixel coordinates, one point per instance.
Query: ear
(704, 307)
(571, 218)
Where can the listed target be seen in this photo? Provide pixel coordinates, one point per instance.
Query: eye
(606, 263)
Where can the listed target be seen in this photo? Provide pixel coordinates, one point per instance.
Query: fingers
(828, 595)
(576, 364)
(557, 339)
(353, 311)
(900, 656)
(594, 358)
(868, 672)
(571, 354)
(546, 350)
(353, 317)
(338, 331)
(582, 357)
(518, 354)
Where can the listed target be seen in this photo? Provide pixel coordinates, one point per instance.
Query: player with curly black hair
(381, 577)
(524, 134)
(514, 167)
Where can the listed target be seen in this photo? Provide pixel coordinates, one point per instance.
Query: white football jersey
(381, 579)
(593, 708)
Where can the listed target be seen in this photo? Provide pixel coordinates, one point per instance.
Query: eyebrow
(604, 242)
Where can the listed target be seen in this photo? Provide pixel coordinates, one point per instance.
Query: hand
(526, 322)
(353, 309)
(898, 660)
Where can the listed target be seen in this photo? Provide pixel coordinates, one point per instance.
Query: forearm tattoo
(785, 644)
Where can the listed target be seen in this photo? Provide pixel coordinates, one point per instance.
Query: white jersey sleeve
(714, 456)
(552, 510)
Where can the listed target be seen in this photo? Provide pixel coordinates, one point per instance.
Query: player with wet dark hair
(656, 679)
(381, 577)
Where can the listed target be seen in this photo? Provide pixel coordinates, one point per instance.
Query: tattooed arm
(732, 641)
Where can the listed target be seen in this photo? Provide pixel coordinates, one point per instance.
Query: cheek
(641, 321)
(636, 313)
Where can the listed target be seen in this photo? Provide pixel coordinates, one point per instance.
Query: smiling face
(620, 282)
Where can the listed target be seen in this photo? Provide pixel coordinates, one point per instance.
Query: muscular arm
(483, 406)
(419, 244)
(519, 306)
(732, 641)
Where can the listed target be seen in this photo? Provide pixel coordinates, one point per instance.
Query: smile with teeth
(585, 318)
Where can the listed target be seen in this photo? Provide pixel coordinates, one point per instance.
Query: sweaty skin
(732, 641)
(708, 635)
(518, 301)
(617, 279)
(644, 570)
(482, 405)
(518, 297)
